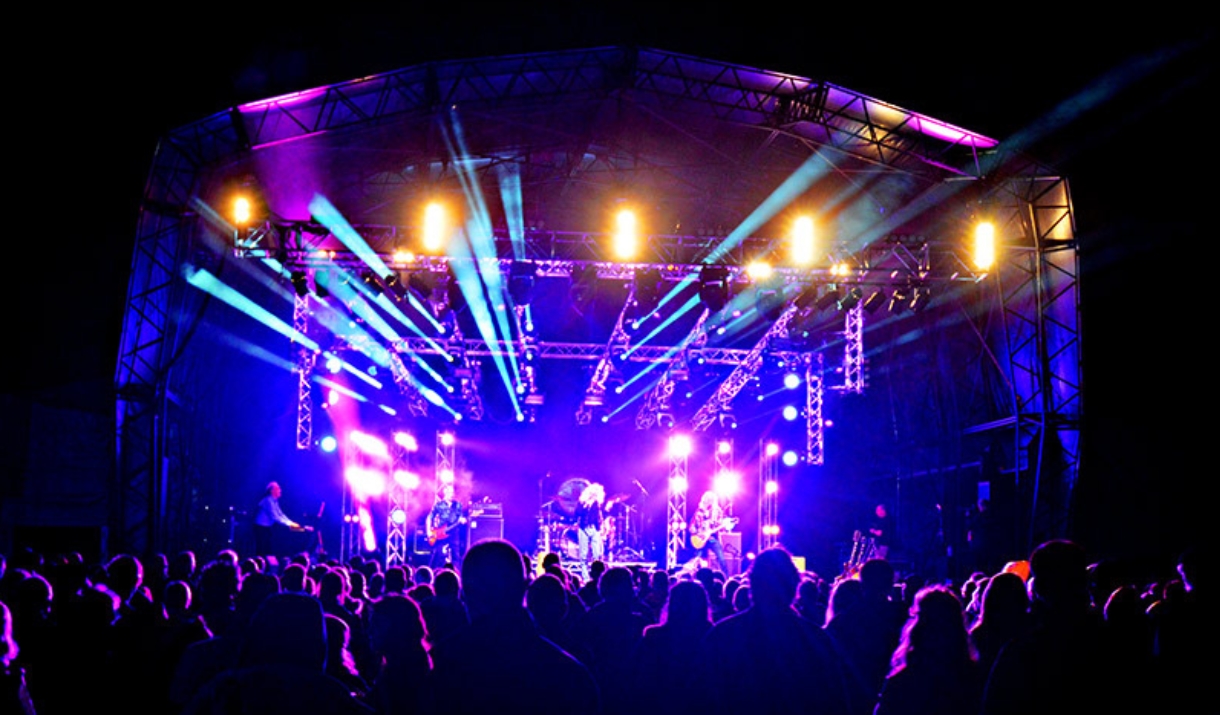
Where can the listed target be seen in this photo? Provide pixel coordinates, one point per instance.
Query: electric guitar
(439, 533)
(699, 538)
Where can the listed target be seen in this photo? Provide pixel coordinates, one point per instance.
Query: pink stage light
(680, 446)
(445, 475)
(365, 482)
(366, 530)
(369, 444)
(771, 488)
(406, 441)
(678, 485)
(727, 483)
(724, 447)
(447, 438)
(405, 479)
(772, 449)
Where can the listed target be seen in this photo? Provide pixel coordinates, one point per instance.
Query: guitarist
(709, 520)
(444, 528)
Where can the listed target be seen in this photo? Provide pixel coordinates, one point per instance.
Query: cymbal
(618, 498)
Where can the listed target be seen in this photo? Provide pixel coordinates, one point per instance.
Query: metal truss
(396, 543)
(304, 368)
(616, 347)
(517, 107)
(466, 373)
(816, 112)
(675, 525)
(657, 408)
(723, 459)
(853, 350)
(768, 495)
(815, 442)
(719, 402)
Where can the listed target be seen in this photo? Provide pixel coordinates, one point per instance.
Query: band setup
(580, 525)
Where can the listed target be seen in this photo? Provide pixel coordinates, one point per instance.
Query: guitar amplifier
(731, 541)
(486, 527)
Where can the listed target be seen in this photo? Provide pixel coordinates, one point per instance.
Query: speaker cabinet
(731, 541)
(486, 527)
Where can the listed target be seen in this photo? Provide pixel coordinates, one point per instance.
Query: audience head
(936, 631)
(287, 629)
(493, 578)
(877, 577)
(1059, 572)
(8, 646)
(843, 597)
(396, 626)
(687, 605)
(773, 579)
(547, 600)
(616, 585)
(395, 580)
(446, 584)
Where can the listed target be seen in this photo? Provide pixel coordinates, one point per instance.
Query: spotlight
(626, 237)
(521, 282)
(714, 287)
(792, 381)
(300, 283)
(328, 444)
(790, 413)
(921, 298)
(802, 241)
(829, 298)
(899, 300)
(851, 299)
(790, 458)
(370, 280)
(334, 364)
(436, 226)
(874, 301)
(984, 245)
(321, 281)
(680, 446)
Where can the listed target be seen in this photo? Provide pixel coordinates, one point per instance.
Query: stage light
(332, 397)
(405, 479)
(771, 487)
(365, 482)
(727, 484)
(899, 300)
(680, 446)
(445, 476)
(759, 270)
(406, 441)
(584, 285)
(792, 381)
(772, 449)
(626, 237)
(242, 211)
(647, 292)
(446, 438)
(791, 413)
(678, 485)
(841, 268)
(874, 301)
(436, 225)
(790, 458)
(851, 298)
(921, 298)
(727, 420)
(398, 517)
(714, 287)
(827, 299)
(724, 447)
(368, 444)
(984, 245)
(321, 283)
(300, 283)
(334, 364)
(802, 241)
(521, 278)
(401, 257)
(370, 280)
(328, 444)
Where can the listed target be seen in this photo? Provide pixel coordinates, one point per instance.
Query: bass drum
(568, 543)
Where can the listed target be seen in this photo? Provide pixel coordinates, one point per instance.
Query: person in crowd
(493, 586)
(398, 636)
(14, 694)
(1004, 616)
(664, 664)
(934, 667)
(768, 658)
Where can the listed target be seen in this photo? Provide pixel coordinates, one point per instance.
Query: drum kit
(558, 532)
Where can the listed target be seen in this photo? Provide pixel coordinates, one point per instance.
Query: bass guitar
(699, 538)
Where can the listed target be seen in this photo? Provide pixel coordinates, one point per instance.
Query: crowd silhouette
(191, 634)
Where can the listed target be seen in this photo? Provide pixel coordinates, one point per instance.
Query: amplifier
(486, 510)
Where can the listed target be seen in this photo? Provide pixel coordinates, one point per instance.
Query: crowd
(1055, 633)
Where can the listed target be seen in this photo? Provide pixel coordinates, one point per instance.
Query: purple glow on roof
(283, 100)
(950, 133)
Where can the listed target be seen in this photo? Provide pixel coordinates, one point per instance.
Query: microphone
(641, 486)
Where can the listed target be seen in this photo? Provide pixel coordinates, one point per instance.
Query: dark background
(1122, 108)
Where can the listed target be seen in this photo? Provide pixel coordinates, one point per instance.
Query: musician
(590, 517)
(709, 520)
(444, 532)
(881, 528)
(268, 515)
